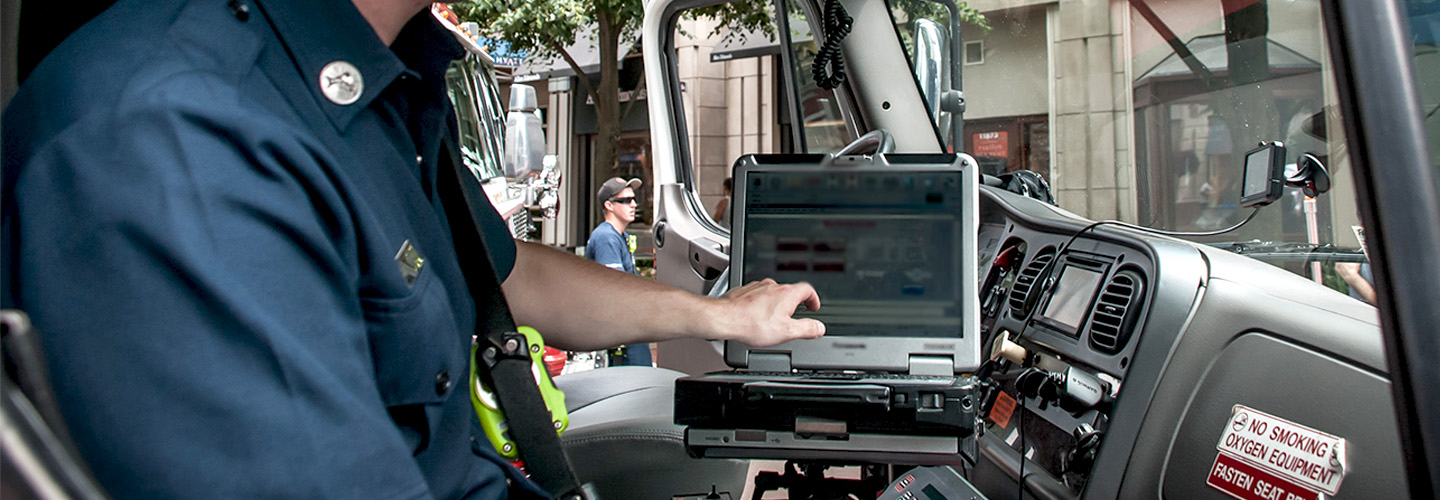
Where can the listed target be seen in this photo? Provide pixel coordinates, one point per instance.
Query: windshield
(1143, 111)
(1424, 18)
(478, 115)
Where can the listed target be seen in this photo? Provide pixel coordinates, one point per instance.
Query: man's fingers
(801, 293)
(811, 328)
(806, 294)
(789, 330)
(773, 306)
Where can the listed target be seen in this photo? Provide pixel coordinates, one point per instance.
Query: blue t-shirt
(211, 248)
(611, 248)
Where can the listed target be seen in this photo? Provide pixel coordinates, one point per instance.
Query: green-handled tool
(492, 417)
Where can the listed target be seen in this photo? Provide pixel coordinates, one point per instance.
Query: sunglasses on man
(626, 199)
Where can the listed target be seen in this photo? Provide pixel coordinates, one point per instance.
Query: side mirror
(932, 69)
(524, 139)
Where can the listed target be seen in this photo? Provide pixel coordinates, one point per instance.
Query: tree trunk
(607, 102)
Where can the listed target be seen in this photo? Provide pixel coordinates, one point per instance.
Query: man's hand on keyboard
(761, 313)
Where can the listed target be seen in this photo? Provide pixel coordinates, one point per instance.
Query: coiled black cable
(829, 67)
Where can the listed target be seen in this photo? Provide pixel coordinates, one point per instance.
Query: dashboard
(1103, 343)
(1072, 304)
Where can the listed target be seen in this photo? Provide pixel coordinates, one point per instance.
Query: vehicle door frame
(1399, 197)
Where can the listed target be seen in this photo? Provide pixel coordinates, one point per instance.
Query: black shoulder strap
(502, 359)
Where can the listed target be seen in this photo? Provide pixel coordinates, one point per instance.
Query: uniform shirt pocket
(419, 354)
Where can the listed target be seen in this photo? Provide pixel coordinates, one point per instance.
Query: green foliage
(906, 12)
(743, 16)
(540, 26)
(544, 26)
(1332, 279)
(645, 267)
(928, 9)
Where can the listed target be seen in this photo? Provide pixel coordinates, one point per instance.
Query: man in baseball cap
(612, 188)
(610, 245)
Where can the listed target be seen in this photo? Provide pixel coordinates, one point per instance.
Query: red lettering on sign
(1247, 482)
(1001, 411)
(991, 144)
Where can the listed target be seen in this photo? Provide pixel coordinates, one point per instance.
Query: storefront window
(633, 162)
(1210, 85)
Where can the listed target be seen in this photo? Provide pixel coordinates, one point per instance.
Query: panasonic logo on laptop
(847, 345)
(940, 347)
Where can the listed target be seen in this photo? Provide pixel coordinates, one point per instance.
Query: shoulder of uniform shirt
(118, 60)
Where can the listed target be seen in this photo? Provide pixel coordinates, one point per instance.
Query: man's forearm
(580, 305)
(1362, 287)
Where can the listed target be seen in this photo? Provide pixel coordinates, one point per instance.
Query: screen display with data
(881, 248)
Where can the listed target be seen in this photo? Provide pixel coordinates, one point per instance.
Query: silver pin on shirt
(341, 82)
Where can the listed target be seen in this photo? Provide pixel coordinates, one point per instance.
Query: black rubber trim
(1400, 208)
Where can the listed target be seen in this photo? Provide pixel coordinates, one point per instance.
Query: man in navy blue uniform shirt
(223, 219)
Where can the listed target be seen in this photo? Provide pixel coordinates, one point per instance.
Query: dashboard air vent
(1113, 317)
(1025, 282)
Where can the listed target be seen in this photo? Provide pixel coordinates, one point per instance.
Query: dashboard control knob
(1082, 457)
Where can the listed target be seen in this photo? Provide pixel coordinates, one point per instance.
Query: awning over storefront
(585, 51)
(1211, 52)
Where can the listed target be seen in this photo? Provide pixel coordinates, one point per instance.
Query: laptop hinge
(769, 362)
(939, 366)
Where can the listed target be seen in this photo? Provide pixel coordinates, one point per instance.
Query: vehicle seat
(39, 459)
(622, 437)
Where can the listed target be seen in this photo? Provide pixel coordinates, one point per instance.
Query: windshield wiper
(1286, 250)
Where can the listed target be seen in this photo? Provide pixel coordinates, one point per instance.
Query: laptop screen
(887, 242)
(880, 247)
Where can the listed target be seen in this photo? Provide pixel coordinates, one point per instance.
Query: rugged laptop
(888, 241)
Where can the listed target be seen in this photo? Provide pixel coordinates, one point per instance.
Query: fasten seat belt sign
(1282, 450)
(1247, 482)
